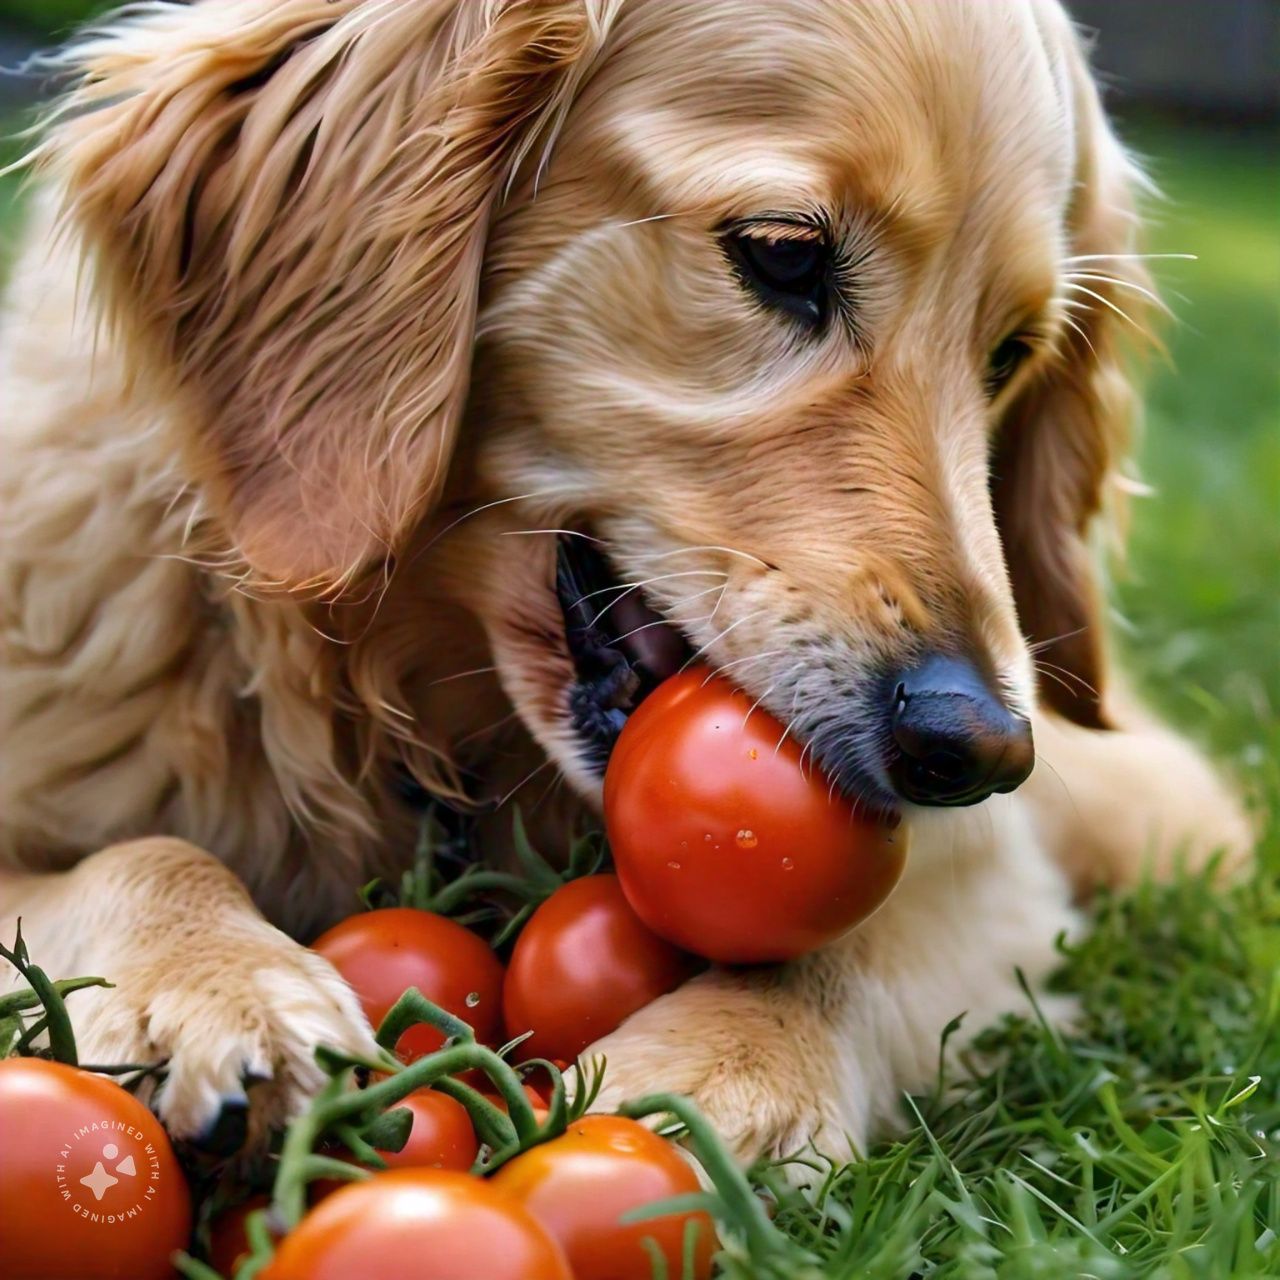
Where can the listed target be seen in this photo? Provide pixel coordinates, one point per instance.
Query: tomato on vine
(581, 1184)
(90, 1188)
(383, 953)
(419, 1224)
(583, 963)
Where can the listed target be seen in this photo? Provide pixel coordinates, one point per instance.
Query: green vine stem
(47, 993)
(344, 1111)
(742, 1208)
(492, 1125)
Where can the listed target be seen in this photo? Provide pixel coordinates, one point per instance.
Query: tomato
(441, 1136)
(419, 1224)
(228, 1243)
(89, 1186)
(582, 964)
(580, 1184)
(724, 844)
(383, 953)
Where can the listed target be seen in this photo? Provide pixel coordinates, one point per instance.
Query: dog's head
(799, 318)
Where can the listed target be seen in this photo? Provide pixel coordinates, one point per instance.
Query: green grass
(1140, 1144)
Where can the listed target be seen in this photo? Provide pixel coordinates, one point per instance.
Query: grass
(1146, 1142)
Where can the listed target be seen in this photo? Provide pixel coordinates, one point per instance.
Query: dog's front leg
(202, 982)
(821, 1050)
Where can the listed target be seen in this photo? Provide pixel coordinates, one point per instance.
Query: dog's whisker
(631, 587)
(753, 657)
(568, 533)
(746, 617)
(1059, 681)
(657, 622)
(1046, 667)
(729, 551)
(528, 778)
(554, 785)
(1122, 284)
(624, 587)
(487, 506)
(719, 601)
(786, 732)
(1084, 337)
(637, 222)
(488, 729)
(461, 675)
(1062, 782)
(757, 702)
(1041, 645)
(1106, 302)
(1129, 257)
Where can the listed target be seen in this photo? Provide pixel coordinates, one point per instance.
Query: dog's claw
(228, 1131)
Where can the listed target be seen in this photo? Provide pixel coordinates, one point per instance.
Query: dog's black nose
(956, 742)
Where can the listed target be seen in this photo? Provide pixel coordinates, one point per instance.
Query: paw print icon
(100, 1181)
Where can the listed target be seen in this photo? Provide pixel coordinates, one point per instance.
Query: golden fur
(332, 313)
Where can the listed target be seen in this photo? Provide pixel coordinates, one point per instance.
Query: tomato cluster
(439, 1160)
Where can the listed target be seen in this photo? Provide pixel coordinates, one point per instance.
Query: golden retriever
(354, 342)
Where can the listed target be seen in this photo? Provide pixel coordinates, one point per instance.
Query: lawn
(1147, 1142)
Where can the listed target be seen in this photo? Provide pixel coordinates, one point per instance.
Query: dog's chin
(622, 649)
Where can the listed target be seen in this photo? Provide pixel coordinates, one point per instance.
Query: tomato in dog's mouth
(621, 648)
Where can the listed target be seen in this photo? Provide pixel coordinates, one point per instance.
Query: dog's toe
(237, 1032)
(229, 1129)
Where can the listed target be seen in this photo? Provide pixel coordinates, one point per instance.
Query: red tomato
(582, 964)
(383, 953)
(89, 1185)
(723, 844)
(441, 1137)
(228, 1243)
(419, 1224)
(580, 1184)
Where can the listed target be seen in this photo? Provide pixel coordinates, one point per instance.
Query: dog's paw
(764, 1074)
(236, 1022)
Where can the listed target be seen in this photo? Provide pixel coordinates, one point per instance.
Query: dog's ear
(1054, 470)
(287, 203)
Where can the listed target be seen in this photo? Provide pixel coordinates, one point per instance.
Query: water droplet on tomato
(675, 866)
(707, 837)
(747, 839)
(788, 864)
(473, 999)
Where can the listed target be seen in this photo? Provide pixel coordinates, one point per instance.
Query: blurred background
(1193, 87)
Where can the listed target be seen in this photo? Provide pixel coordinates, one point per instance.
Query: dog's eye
(786, 271)
(1004, 362)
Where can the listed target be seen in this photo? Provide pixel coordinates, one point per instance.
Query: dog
(350, 338)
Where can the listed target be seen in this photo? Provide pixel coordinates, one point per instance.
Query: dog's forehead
(878, 102)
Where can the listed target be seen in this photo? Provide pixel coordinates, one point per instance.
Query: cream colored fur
(311, 283)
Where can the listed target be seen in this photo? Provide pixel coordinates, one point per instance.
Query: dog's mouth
(622, 649)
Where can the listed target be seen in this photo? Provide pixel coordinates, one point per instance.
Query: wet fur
(315, 289)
